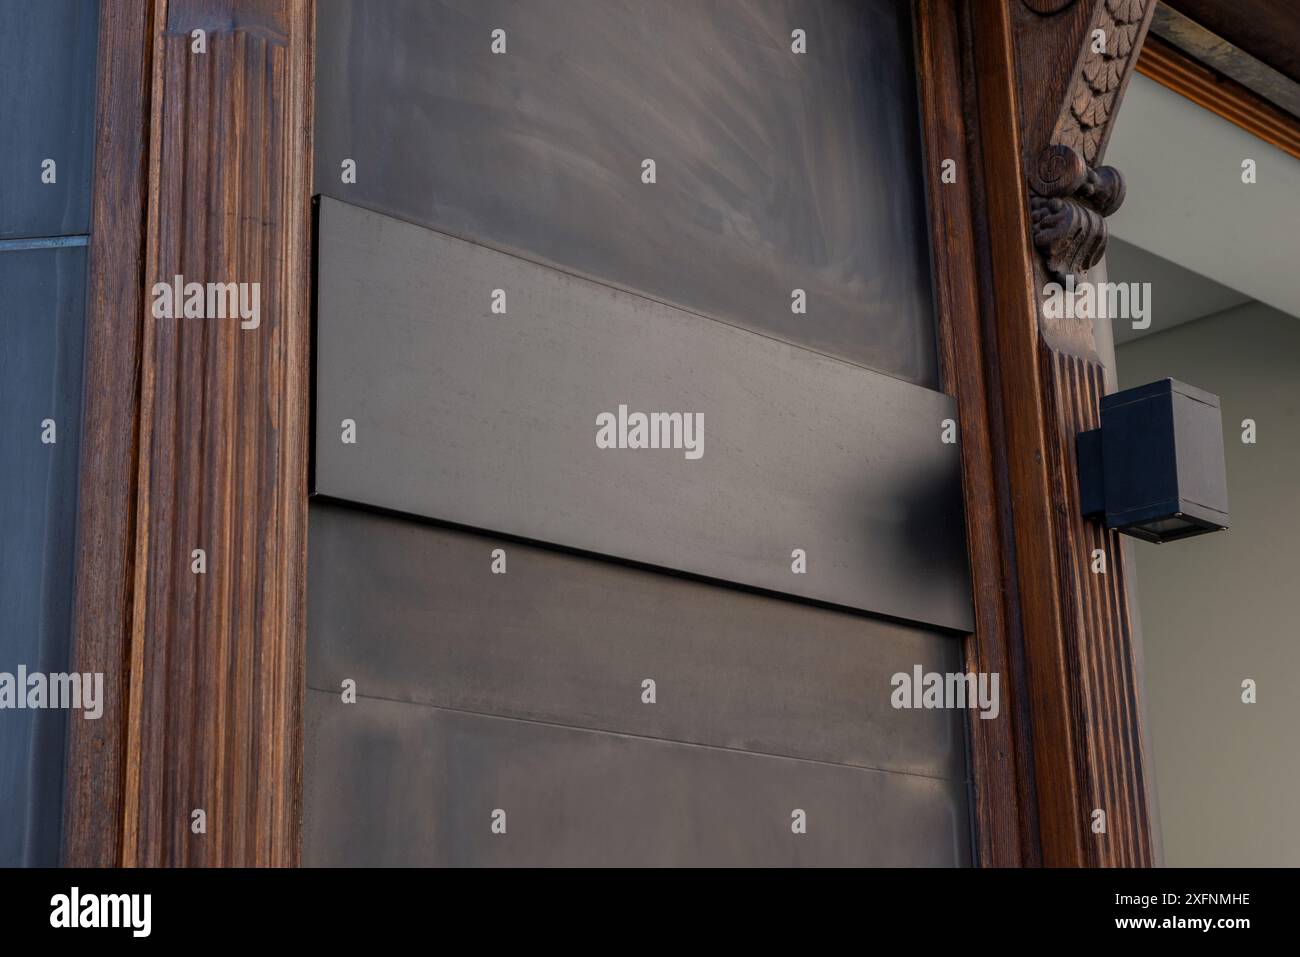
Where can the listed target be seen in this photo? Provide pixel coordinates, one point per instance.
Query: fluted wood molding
(1048, 95)
(210, 672)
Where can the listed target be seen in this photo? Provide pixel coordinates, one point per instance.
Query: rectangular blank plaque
(489, 420)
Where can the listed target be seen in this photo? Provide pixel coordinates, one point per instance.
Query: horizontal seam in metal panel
(628, 291)
(946, 632)
(43, 242)
(646, 737)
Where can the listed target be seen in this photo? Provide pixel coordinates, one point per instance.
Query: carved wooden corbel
(1068, 206)
(1070, 196)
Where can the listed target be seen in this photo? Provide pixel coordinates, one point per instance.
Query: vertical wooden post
(1020, 96)
(115, 310)
(213, 660)
(1050, 77)
(1002, 796)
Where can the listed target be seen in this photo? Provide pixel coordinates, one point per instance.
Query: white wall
(1186, 201)
(1219, 608)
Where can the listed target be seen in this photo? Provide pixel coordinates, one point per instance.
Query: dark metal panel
(489, 421)
(775, 170)
(41, 326)
(391, 783)
(47, 84)
(414, 612)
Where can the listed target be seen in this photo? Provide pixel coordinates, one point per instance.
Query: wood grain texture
(1175, 70)
(1051, 41)
(1268, 30)
(1100, 658)
(1097, 640)
(999, 752)
(1094, 44)
(215, 700)
(1208, 49)
(106, 499)
(1075, 633)
(1101, 72)
(1072, 70)
(1014, 315)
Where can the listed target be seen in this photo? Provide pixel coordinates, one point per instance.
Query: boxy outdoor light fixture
(1155, 469)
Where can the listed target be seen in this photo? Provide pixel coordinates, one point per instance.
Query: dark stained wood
(1050, 41)
(1015, 316)
(1064, 129)
(106, 500)
(1177, 71)
(214, 661)
(1208, 49)
(1268, 30)
(999, 748)
(1111, 763)
(1076, 633)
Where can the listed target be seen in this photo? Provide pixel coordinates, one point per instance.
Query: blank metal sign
(489, 419)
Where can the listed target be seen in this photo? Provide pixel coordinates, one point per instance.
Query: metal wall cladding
(524, 692)
(415, 613)
(775, 170)
(41, 330)
(47, 99)
(406, 785)
(47, 96)
(499, 279)
(490, 421)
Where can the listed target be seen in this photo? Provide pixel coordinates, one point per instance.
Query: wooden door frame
(195, 436)
(1016, 93)
(199, 438)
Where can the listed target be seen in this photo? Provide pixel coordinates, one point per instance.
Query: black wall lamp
(1155, 468)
